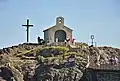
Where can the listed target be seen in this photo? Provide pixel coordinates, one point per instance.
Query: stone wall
(100, 75)
(108, 76)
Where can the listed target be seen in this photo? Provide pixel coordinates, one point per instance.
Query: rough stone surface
(21, 61)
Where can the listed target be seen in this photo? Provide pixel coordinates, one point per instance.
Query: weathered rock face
(63, 74)
(54, 65)
(97, 56)
(6, 73)
(18, 48)
(9, 59)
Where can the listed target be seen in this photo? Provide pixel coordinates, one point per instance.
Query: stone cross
(28, 25)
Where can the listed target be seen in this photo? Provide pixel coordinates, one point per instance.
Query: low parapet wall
(91, 74)
(105, 66)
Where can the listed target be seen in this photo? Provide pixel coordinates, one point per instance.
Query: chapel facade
(59, 31)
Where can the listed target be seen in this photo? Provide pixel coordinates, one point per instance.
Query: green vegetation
(29, 51)
(70, 53)
(53, 51)
(59, 48)
(40, 59)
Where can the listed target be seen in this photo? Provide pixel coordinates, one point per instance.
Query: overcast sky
(85, 17)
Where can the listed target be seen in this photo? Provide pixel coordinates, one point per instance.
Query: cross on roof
(28, 25)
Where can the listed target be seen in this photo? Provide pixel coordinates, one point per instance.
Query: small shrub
(40, 59)
(70, 53)
(46, 60)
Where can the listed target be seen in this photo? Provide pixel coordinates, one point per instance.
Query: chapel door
(60, 35)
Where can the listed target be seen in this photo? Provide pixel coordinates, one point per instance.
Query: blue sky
(85, 17)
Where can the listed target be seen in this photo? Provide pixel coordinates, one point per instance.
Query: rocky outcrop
(63, 74)
(16, 74)
(86, 56)
(6, 73)
(18, 48)
(54, 64)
